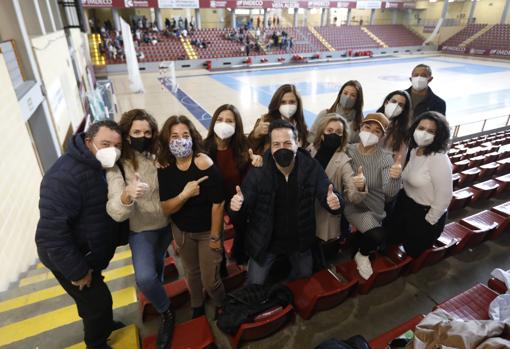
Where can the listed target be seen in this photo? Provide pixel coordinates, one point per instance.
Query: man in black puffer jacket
(75, 236)
(275, 206)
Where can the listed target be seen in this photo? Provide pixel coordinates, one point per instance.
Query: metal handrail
(456, 128)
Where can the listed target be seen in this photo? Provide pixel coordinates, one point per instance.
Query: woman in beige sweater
(328, 149)
(133, 193)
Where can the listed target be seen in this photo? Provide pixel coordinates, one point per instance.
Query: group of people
(278, 39)
(286, 189)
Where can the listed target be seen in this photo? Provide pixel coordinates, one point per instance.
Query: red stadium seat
(487, 220)
(434, 254)
(472, 304)
(321, 291)
(466, 237)
(485, 190)
(170, 270)
(460, 199)
(177, 292)
(263, 326)
(497, 285)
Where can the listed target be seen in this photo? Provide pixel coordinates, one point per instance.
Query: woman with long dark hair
(285, 104)
(421, 207)
(396, 107)
(133, 193)
(191, 193)
(228, 147)
(349, 104)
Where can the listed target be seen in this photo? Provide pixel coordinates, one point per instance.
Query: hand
(396, 168)
(359, 180)
(262, 129)
(215, 245)
(332, 199)
(136, 188)
(192, 188)
(256, 160)
(85, 281)
(237, 200)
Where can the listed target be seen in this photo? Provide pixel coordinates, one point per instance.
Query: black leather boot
(166, 329)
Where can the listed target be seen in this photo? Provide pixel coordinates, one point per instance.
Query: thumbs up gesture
(396, 168)
(332, 199)
(262, 129)
(359, 179)
(256, 160)
(237, 200)
(136, 188)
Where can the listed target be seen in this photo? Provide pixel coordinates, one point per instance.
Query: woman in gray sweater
(133, 193)
(382, 178)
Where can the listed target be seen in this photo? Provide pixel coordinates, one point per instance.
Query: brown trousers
(201, 265)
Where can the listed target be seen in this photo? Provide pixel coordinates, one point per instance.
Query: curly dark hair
(165, 157)
(397, 130)
(442, 137)
(273, 112)
(125, 123)
(238, 142)
(358, 104)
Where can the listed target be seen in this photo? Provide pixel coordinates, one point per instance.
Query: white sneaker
(364, 266)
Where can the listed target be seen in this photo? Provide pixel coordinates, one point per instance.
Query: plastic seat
(468, 177)
(487, 220)
(476, 161)
(193, 334)
(382, 341)
(503, 209)
(263, 326)
(485, 190)
(472, 304)
(455, 179)
(387, 268)
(434, 254)
(487, 171)
(503, 181)
(465, 236)
(321, 291)
(177, 292)
(497, 285)
(460, 199)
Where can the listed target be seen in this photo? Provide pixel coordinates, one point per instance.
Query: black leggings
(407, 225)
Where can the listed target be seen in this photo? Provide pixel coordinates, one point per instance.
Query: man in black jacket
(275, 206)
(75, 237)
(422, 97)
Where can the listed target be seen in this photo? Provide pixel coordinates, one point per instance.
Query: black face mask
(140, 144)
(332, 141)
(283, 157)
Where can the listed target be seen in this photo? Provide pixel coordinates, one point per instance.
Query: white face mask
(224, 130)
(368, 138)
(423, 138)
(392, 109)
(107, 156)
(287, 110)
(419, 83)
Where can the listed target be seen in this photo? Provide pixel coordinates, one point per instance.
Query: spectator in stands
(421, 207)
(167, 23)
(382, 179)
(75, 237)
(396, 107)
(349, 104)
(191, 193)
(228, 147)
(285, 104)
(133, 193)
(276, 205)
(328, 148)
(422, 97)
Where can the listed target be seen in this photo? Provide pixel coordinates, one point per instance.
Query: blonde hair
(322, 126)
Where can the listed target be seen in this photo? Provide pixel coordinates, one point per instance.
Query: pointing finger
(204, 178)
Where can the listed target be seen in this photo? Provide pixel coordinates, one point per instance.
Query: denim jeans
(148, 250)
(301, 263)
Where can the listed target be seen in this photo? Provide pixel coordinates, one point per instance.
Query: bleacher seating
(395, 35)
(218, 46)
(347, 37)
(303, 40)
(498, 37)
(465, 33)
